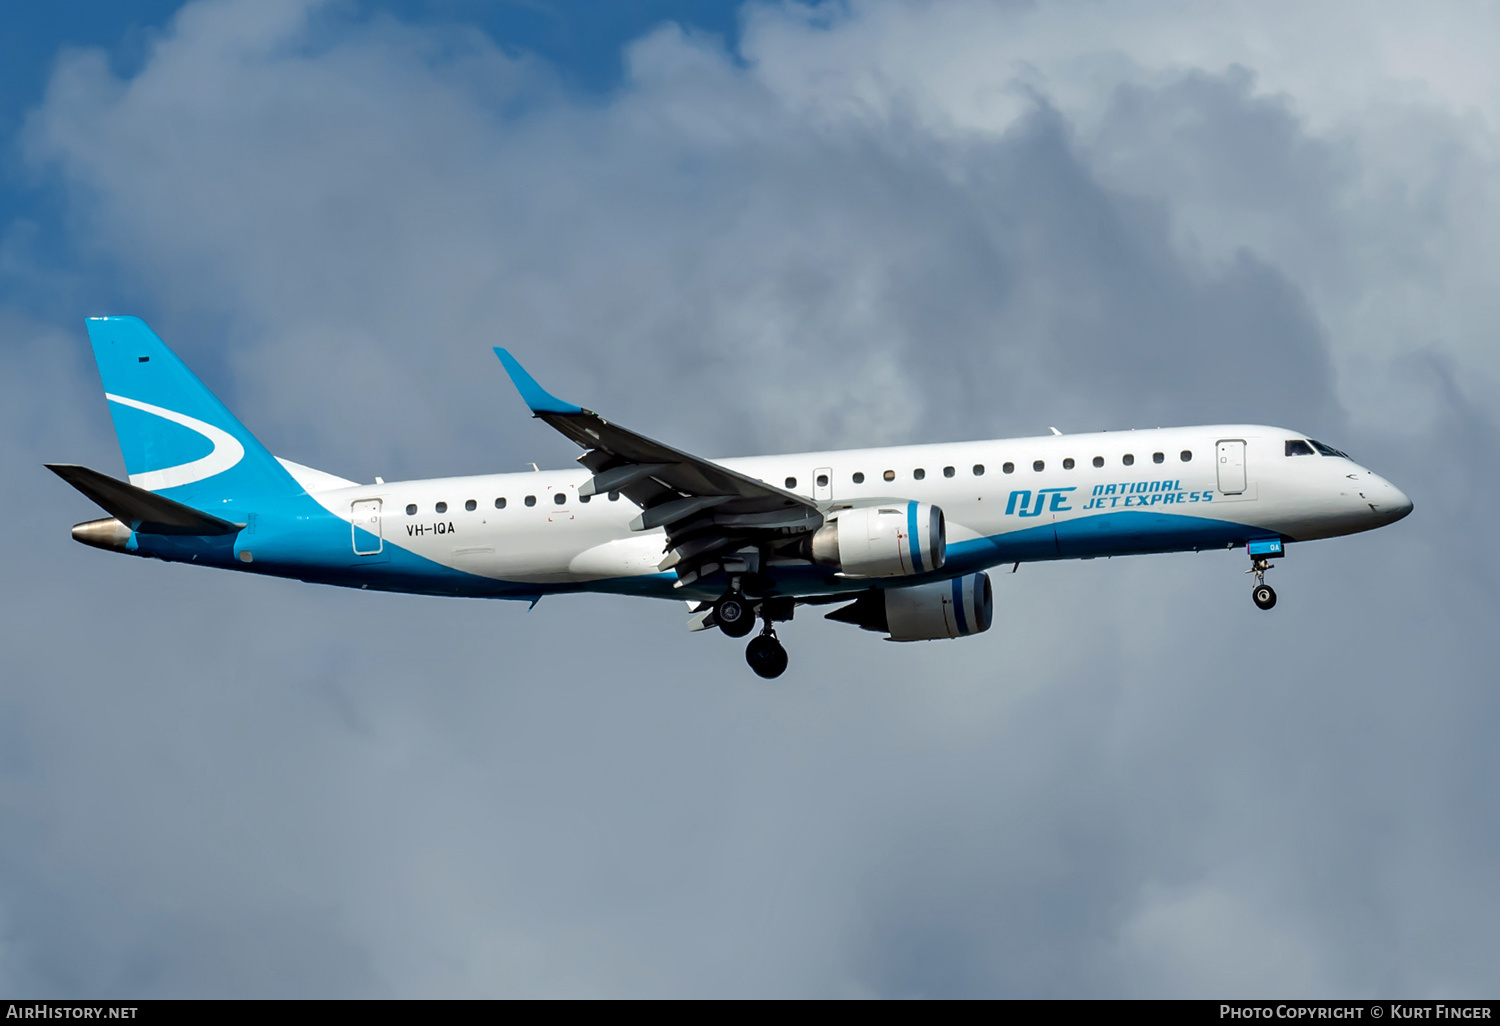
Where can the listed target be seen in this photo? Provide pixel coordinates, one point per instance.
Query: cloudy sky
(749, 228)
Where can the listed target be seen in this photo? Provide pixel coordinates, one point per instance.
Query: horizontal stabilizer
(144, 511)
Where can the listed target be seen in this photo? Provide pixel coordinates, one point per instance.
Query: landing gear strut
(1261, 552)
(765, 654)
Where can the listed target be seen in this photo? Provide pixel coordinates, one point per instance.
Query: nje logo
(1129, 495)
(1020, 503)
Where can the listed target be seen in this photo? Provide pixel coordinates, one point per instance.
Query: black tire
(734, 616)
(1264, 596)
(766, 657)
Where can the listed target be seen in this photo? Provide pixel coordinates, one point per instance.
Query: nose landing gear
(1261, 551)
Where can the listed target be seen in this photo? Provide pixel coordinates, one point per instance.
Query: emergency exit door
(365, 528)
(1231, 461)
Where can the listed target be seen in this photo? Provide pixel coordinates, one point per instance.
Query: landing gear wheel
(1264, 596)
(734, 616)
(766, 656)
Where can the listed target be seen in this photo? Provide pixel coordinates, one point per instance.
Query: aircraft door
(1230, 457)
(365, 527)
(823, 483)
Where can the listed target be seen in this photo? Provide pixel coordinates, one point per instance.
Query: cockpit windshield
(1327, 450)
(1297, 447)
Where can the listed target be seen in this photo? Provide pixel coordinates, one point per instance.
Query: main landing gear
(765, 654)
(735, 615)
(1261, 552)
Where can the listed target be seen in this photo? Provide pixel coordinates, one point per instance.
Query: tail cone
(108, 533)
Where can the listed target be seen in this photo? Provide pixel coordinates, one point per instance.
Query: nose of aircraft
(1392, 503)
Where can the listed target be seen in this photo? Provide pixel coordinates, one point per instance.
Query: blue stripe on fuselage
(1123, 533)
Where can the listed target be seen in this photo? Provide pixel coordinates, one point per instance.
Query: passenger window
(858, 478)
(559, 498)
(918, 474)
(1129, 460)
(791, 482)
(614, 496)
(531, 500)
(471, 505)
(1157, 457)
(979, 470)
(411, 510)
(584, 498)
(1039, 466)
(1297, 447)
(500, 502)
(1187, 456)
(947, 471)
(822, 480)
(1098, 461)
(442, 507)
(1068, 463)
(889, 475)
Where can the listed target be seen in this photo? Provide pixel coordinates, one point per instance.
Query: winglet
(538, 398)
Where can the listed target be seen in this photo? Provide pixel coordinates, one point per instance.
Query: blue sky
(762, 229)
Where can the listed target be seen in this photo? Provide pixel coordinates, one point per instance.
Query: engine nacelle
(947, 609)
(883, 541)
(927, 612)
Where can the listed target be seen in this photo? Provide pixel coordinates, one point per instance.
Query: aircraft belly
(619, 557)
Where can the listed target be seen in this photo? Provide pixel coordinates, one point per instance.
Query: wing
(715, 518)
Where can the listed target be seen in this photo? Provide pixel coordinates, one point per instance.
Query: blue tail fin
(176, 437)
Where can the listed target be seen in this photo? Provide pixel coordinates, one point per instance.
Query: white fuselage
(1156, 490)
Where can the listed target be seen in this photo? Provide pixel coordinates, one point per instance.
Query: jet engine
(927, 612)
(882, 541)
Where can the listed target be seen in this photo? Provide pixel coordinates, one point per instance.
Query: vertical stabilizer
(175, 435)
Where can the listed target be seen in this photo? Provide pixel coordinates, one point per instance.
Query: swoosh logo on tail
(226, 453)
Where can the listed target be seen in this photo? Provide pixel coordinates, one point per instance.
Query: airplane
(900, 538)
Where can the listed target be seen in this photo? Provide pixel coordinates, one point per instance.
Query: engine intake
(883, 541)
(926, 612)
